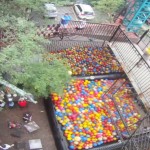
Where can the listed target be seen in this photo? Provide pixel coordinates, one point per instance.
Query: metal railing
(139, 75)
(130, 58)
(91, 30)
(141, 136)
(144, 41)
(56, 45)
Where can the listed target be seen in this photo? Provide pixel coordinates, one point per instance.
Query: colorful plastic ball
(71, 147)
(85, 62)
(84, 117)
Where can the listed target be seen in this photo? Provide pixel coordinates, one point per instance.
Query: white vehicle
(84, 11)
(50, 10)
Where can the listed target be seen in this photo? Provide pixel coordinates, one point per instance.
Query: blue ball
(99, 89)
(63, 128)
(76, 127)
(84, 139)
(60, 114)
(109, 120)
(100, 143)
(86, 129)
(71, 147)
(57, 113)
(101, 131)
(130, 115)
(95, 144)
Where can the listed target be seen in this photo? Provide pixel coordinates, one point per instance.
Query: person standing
(82, 25)
(65, 20)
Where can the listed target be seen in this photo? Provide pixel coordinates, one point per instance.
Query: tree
(110, 6)
(20, 8)
(22, 59)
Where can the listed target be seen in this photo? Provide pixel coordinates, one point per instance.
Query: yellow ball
(77, 138)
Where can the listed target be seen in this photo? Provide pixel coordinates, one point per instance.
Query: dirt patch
(39, 116)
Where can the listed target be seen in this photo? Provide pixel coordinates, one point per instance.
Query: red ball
(22, 103)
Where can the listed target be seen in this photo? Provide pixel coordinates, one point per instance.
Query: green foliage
(110, 6)
(42, 78)
(64, 2)
(23, 59)
(20, 8)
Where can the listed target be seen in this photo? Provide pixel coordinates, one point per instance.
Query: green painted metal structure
(138, 12)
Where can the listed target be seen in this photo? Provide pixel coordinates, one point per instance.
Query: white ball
(70, 72)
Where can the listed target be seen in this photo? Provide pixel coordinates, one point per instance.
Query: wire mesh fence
(137, 133)
(134, 64)
(145, 42)
(129, 57)
(140, 139)
(56, 45)
(139, 75)
(91, 30)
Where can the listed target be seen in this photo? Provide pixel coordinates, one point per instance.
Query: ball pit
(83, 115)
(90, 60)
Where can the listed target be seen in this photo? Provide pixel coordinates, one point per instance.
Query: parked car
(84, 11)
(50, 10)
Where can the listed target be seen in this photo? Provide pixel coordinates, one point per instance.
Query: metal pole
(115, 33)
(143, 35)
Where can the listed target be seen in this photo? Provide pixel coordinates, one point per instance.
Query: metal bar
(133, 134)
(133, 46)
(115, 33)
(127, 47)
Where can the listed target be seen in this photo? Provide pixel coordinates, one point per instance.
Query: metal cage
(129, 57)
